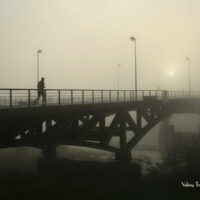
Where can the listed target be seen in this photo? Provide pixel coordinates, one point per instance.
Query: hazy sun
(171, 73)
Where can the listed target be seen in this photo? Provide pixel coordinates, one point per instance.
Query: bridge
(89, 118)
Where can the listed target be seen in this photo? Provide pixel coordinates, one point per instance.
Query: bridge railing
(183, 94)
(13, 98)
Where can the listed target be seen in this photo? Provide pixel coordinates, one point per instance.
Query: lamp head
(132, 38)
(39, 51)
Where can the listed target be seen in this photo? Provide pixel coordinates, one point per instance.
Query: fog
(184, 123)
(83, 41)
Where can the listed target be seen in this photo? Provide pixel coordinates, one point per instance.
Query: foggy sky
(83, 41)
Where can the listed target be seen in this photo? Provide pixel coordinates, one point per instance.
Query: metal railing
(13, 98)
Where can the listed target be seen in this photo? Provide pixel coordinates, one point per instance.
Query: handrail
(24, 97)
(54, 89)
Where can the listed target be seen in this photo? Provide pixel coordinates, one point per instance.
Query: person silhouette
(41, 91)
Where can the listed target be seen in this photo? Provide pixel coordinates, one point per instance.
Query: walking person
(41, 92)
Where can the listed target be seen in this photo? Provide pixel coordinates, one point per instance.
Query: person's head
(42, 79)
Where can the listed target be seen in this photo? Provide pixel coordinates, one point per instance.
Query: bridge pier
(49, 151)
(124, 156)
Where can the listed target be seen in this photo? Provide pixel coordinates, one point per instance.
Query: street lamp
(134, 40)
(38, 64)
(189, 84)
(118, 66)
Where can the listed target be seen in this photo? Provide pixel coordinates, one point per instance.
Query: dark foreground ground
(62, 179)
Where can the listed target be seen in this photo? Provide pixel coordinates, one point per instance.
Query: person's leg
(37, 99)
(43, 97)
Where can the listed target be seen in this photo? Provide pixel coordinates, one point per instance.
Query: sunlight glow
(171, 73)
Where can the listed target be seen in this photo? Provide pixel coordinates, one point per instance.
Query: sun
(171, 73)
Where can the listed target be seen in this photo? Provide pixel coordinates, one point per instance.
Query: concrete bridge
(89, 118)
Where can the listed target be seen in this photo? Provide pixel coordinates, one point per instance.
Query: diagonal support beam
(143, 132)
(145, 115)
(102, 128)
(112, 128)
(85, 131)
(122, 130)
(84, 120)
(131, 123)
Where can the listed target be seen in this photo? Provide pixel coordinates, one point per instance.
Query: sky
(84, 41)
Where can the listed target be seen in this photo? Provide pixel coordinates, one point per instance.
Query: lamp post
(158, 80)
(134, 40)
(118, 66)
(38, 64)
(189, 83)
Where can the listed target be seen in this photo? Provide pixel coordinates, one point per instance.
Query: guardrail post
(166, 96)
(92, 96)
(124, 96)
(82, 96)
(29, 98)
(130, 96)
(59, 97)
(101, 96)
(142, 95)
(10, 98)
(117, 95)
(45, 97)
(72, 100)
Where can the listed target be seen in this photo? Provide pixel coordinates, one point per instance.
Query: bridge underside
(84, 125)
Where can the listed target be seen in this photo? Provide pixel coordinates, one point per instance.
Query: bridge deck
(19, 102)
(78, 117)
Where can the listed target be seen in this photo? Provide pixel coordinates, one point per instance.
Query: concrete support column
(125, 154)
(75, 128)
(38, 129)
(122, 129)
(48, 124)
(49, 151)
